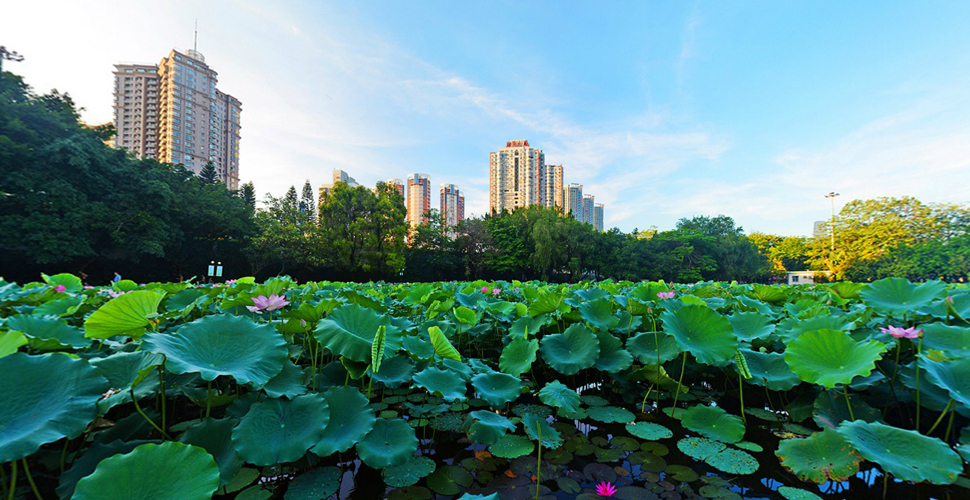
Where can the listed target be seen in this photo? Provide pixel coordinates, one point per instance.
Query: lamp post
(831, 196)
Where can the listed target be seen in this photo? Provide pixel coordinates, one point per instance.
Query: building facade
(573, 201)
(174, 113)
(337, 176)
(418, 199)
(452, 207)
(554, 190)
(399, 185)
(589, 201)
(517, 177)
(598, 216)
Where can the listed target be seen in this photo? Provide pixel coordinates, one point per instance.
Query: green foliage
(169, 471)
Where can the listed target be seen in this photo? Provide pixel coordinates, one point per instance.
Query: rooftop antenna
(195, 45)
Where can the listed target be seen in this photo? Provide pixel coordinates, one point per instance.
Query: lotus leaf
(215, 437)
(314, 485)
(953, 376)
(279, 430)
(351, 418)
(289, 382)
(831, 357)
(409, 473)
(497, 388)
(649, 430)
(390, 442)
(906, 454)
(770, 369)
(559, 395)
(70, 282)
(792, 328)
(796, 494)
(223, 345)
(526, 326)
(951, 339)
(610, 414)
(536, 426)
(395, 371)
(830, 409)
(449, 479)
(575, 349)
(598, 313)
(512, 446)
(897, 296)
(442, 347)
(825, 456)
(517, 357)
(548, 303)
(441, 383)
(469, 496)
(350, 329)
(449, 422)
(613, 357)
(45, 398)
(55, 332)
(459, 368)
(10, 342)
(717, 455)
(486, 427)
(750, 326)
(597, 473)
(714, 422)
(89, 460)
(703, 332)
(168, 471)
(700, 448)
(126, 314)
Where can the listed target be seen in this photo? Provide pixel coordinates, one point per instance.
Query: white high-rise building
(517, 177)
(573, 201)
(452, 207)
(598, 216)
(337, 176)
(588, 203)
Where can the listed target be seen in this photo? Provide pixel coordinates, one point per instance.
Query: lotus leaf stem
(656, 339)
(643, 404)
(64, 453)
(949, 426)
(885, 483)
(919, 350)
(140, 412)
(30, 479)
(845, 392)
(161, 384)
(949, 405)
(13, 480)
(539, 460)
(208, 399)
(679, 384)
(741, 390)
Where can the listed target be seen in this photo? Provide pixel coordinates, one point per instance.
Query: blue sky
(662, 110)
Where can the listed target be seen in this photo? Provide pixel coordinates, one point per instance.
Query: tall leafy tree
(248, 194)
(307, 206)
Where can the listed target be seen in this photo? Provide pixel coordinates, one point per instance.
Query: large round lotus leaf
(575, 349)
(644, 347)
(952, 376)
(559, 395)
(90, 459)
(314, 485)
(951, 339)
(599, 314)
(609, 414)
(167, 471)
(823, 457)
(749, 326)
(223, 344)
(613, 357)
(537, 427)
(703, 332)
(449, 479)
(896, 296)
(796, 494)
(517, 357)
(350, 329)
(905, 454)
(124, 369)
(395, 371)
(733, 462)
(280, 430)
(351, 418)
(45, 398)
(497, 388)
(486, 427)
(526, 327)
(512, 446)
(215, 436)
(713, 422)
(792, 328)
(770, 369)
(700, 448)
(126, 314)
(832, 357)
(830, 409)
(289, 382)
(409, 473)
(390, 442)
(442, 383)
(48, 331)
(649, 430)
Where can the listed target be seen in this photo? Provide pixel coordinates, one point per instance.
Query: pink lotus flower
(903, 333)
(496, 291)
(484, 289)
(272, 303)
(605, 489)
(665, 295)
(60, 288)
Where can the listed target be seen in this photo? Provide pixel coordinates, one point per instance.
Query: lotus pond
(483, 390)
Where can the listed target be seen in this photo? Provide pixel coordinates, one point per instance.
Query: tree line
(70, 203)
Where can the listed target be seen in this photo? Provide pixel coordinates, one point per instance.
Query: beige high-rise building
(452, 207)
(554, 192)
(399, 185)
(173, 112)
(419, 199)
(573, 201)
(588, 203)
(517, 177)
(337, 176)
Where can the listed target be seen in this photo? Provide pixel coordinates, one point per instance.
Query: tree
(307, 206)
(387, 229)
(248, 194)
(208, 174)
(474, 245)
(431, 255)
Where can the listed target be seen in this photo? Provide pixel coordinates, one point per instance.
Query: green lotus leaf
(215, 437)
(409, 473)
(512, 446)
(770, 369)
(184, 300)
(70, 282)
(714, 422)
(65, 306)
(441, 383)
(575, 349)
(395, 371)
(546, 303)
(734, 462)
(748, 445)
(167, 471)
(610, 414)
(952, 340)
(54, 333)
(830, 409)
(289, 382)
(223, 345)
(486, 427)
(126, 314)
(952, 376)
(561, 396)
(465, 315)
(749, 326)
(350, 329)
(770, 294)
(497, 388)
(797, 494)
(644, 347)
(537, 426)
(377, 348)
(700, 448)
(390, 442)
(649, 430)
(280, 430)
(10, 342)
(526, 326)
(703, 332)
(469, 496)
(823, 457)
(314, 485)
(517, 357)
(613, 357)
(599, 314)
(897, 296)
(351, 418)
(792, 328)
(45, 398)
(89, 460)
(125, 369)
(905, 454)
(442, 347)
(449, 479)
(832, 357)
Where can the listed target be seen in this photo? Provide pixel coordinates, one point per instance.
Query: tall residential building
(573, 201)
(598, 216)
(588, 203)
(338, 176)
(554, 192)
(399, 184)
(452, 207)
(173, 112)
(517, 177)
(419, 199)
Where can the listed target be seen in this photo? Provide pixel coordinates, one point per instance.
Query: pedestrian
(117, 277)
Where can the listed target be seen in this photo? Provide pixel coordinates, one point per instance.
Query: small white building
(804, 277)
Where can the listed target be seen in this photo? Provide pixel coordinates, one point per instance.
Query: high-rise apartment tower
(517, 177)
(598, 216)
(573, 201)
(452, 207)
(419, 198)
(554, 192)
(337, 176)
(588, 203)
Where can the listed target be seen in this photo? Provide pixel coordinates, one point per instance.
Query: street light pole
(831, 196)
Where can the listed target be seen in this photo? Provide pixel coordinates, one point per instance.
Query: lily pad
(714, 422)
(832, 357)
(518, 356)
(486, 427)
(823, 457)
(390, 442)
(649, 430)
(609, 414)
(703, 332)
(279, 430)
(314, 484)
(497, 388)
(169, 471)
(512, 446)
(897, 296)
(906, 454)
(351, 418)
(718, 455)
(442, 383)
(575, 349)
(449, 480)
(557, 394)
(797, 494)
(408, 473)
(350, 329)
